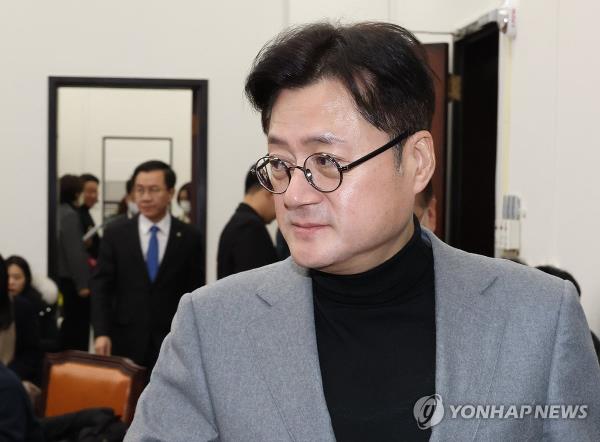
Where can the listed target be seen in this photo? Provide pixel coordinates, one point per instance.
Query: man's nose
(299, 191)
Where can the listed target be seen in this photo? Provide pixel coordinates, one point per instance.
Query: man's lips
(307, 230)
(308, 225)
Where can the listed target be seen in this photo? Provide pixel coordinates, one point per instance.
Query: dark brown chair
(75, 380)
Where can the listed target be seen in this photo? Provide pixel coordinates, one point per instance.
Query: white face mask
(186, 206)
(132, 208)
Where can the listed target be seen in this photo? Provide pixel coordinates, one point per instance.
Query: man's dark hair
(6, 312)
(129, 185)
(85, 177)
(383, 66)
(251, 183)
(151, 166)
(71, 187)
(23, 265)
(560, 273)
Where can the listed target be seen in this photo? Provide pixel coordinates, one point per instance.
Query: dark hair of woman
(71, 187)
(6, 313)
(24, 266)
(187, 187)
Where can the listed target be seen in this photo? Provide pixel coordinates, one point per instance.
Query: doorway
(98, 107)
(474, 139)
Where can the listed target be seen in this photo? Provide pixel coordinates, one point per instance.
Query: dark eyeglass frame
(341, 169)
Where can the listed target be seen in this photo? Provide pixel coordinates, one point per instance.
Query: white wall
(551, 152)
(138, 38)
(553, 148)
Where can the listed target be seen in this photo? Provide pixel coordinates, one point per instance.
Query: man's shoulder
(517, 286)
(116, 220)
(190, 229)
(239, 295)
(120, 225)
(66, 212)
(244, 218)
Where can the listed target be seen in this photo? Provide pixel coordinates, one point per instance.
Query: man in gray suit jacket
(374, 329)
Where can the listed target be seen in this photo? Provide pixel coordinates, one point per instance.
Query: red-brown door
(437, 54)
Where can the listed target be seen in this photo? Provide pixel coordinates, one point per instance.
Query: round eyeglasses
(321, 170)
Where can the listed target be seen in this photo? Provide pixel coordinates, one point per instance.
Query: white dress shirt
(164, 226)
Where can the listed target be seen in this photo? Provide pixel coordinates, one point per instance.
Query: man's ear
(424, 158)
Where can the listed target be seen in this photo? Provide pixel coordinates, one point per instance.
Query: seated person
(27, 361)
(16, 415)
(20, 283)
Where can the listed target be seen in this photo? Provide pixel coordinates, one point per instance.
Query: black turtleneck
(376, 342)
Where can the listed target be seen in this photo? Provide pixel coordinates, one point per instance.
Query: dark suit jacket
(87, 223)
(244, 244)
(72, 257)
(126, 306)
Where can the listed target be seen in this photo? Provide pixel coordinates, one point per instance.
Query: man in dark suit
(245, 242)
(145, 265)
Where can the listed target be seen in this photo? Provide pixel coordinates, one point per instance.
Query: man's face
(151, 194)
(368, 218)
(90, 194)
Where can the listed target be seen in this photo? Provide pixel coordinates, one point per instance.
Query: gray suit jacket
(241, 362)
(72, 257)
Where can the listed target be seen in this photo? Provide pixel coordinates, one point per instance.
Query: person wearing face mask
(127, 206)
(73, 269)
(425, 211)
(20, 285)
(184, 200)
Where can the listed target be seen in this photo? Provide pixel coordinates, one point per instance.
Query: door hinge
(454, 87)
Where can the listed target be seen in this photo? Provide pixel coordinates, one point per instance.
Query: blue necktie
(152, 255)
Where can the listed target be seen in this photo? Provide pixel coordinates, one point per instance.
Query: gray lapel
(285, 349)
(469, 330)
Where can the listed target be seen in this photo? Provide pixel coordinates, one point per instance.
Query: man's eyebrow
(326, 138)
(274, 139)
